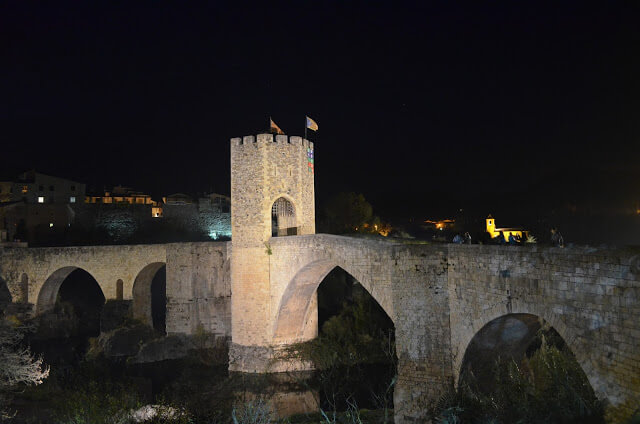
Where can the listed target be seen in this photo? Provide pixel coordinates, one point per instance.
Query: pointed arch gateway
(295, 321)
(283, 218)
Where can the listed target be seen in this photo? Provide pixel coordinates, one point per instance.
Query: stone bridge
(442, 299)
(198, 287)
(450, 304)
(441, 296)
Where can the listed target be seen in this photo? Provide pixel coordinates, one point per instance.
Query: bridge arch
(293, 319)
(49, 291)
(144, 306)
(512, 332)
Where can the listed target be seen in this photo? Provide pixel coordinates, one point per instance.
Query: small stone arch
(24, 289)
(283, 217)
(49, 291)
(293, 317)
(119, 289)
(142, 294)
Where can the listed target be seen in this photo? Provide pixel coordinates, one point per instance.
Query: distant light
(51, 225)
(72, 199)
(40, 199)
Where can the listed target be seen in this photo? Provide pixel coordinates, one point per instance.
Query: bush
(548, 386)
(19, 366)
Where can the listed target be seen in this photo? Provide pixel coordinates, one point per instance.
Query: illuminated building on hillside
(442, 224)
(506, 232)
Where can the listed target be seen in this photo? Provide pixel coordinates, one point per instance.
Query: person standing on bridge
(556, 238)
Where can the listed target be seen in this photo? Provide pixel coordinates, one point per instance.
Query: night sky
(410, 99)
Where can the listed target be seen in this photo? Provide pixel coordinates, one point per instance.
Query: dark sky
(409, 98)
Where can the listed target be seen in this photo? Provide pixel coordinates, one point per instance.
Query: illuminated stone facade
(263, 170)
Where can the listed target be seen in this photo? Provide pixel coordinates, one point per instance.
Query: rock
(114, 314)
(170, 347)
(214, 347)
(150, 412)
(125, 341)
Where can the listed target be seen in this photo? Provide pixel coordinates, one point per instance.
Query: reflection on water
(365, 385)
(285, 394)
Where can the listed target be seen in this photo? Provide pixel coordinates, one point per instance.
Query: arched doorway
(283, 218)
(517, 367)
(150, 296)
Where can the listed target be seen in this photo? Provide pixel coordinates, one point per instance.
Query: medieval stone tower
(272, 194)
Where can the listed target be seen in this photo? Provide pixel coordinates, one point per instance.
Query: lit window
(41, 199)
(25, 189)
(51, 225)
(72, 199)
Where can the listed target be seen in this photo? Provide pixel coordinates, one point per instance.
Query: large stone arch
(293, 317)
(49, 291)
(492, 315)
(142, 292)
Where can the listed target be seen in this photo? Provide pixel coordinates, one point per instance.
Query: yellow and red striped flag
(274, 127)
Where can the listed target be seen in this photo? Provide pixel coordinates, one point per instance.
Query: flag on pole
(311, 124)
(274, 128)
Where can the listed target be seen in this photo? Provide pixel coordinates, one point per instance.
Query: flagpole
(305, 127)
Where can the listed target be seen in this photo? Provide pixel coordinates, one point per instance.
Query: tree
(347, 213)
(18, 366)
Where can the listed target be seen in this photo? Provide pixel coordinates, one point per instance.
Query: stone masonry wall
(198, 288)
(590, 296)
(421, 302)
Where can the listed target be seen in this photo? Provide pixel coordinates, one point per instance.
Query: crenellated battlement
(295, 140)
